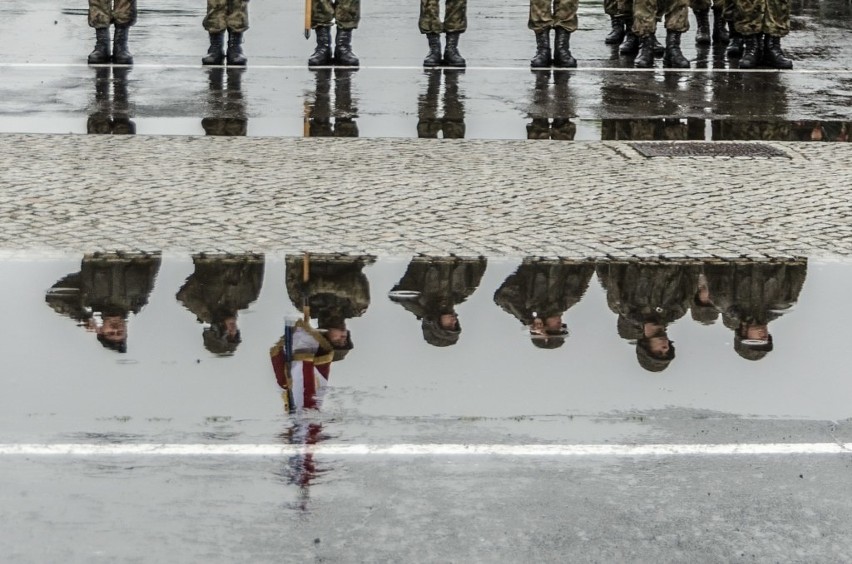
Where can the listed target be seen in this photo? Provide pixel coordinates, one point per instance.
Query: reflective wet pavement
(167, 92)
(442, 353)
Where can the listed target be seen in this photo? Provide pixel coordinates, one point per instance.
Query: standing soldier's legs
(617, 20)
(644, 25)
(541, 21)
(100, 18)
(237, 23)
(123, 16)
(677, 22)
(215, 22)
(701, 9)
(124, 13)
(347, 14)
(565, 23)
(720, 30)
(322, 18)
(455, 23)
(749, 24)
(776, 24)
(630, 46)
(430, 24)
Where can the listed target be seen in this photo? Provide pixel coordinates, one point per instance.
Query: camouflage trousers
(646, 12)
(344, 13)
(617, 8)
(547, 14)
(226, 14)
(103, 13)
(771, 17)
(701, 5)
(455, 16)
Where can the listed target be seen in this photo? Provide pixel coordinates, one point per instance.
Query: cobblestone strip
(398, 197)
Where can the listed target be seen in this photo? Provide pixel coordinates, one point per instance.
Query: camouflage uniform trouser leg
(700, 5)
(226, 14)
(645, 15)
(547, 14)
(102, 13)
(616, 8)
(771, 17)
(455, 16)
(344, 13)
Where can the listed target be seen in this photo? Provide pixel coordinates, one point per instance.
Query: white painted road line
(574, 450)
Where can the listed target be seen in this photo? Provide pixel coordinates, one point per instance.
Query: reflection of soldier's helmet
(628, 329)
(548, 342)
(117, 346)
(704, 314)
(752, 350)
(437, 336)
(650, 362)
(217, 341)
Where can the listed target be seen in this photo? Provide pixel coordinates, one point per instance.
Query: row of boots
(621, 28)
(646, 49)
(560, 57)
(120, 54)
(758, 50)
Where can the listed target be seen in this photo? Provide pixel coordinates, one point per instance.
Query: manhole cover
(693, 149)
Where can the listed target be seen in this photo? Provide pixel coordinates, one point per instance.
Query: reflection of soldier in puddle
(319, 114)
(551, 110)
(111, 114)
(108, 288)
(219, 287)
(226, 109)
(748, 98)
(432, 287)
(647, 297)
(337, 291)
(429, 124)
(751, 294)
(540, 292)
(702, 309)
(655, 129)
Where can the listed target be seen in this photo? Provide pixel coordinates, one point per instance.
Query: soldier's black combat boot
(702, 31)
(616, 34)
(562, 50)
(322, 54)
(216, 53)
(674, 56)
(773, 56)
(645, 58)
(100, 56)
(120, 53)
(631, 40)
(343, 55)
(735, 47)
(235, 49)
(452, 57)
(659, 50)
(750, 56)
(720, 29)
(542, 58)
(433, 59)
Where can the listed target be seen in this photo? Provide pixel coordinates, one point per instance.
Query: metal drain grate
(715, 149)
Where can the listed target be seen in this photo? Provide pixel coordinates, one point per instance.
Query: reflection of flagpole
(306, 274)
(287, 396)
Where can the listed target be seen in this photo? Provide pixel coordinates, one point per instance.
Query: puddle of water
(470, 338)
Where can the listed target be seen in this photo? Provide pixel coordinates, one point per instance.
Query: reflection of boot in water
(453, 122)
(121, 122)
(539, 127)
(562, 129)
(428, 124)
(99, 117)
(319, 113)
(236, 122)
(213, 124)
(345, 111)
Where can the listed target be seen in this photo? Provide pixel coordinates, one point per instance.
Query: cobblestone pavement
(67, 193)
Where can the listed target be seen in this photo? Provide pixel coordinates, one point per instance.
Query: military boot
(773, 56)
(631, 43)
(120, 53)
(702, 32)
(750, 57)
(235, 49)
(452, 57)
(562, 50)
(343, 55)
(720, 29)
(735, 47)
(100, 55)
(674, 56)
(645, 58)
(322, 54)
(542, 58)
(216, 52)
(659, 50)
(616, 34)
(433, 59)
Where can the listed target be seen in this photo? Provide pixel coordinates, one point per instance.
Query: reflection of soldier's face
(337, 337)
(703, 295)
(757, 332)
(230, 326)
(448, 320)
(553, 323)
(659, 346)
(114, 329)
